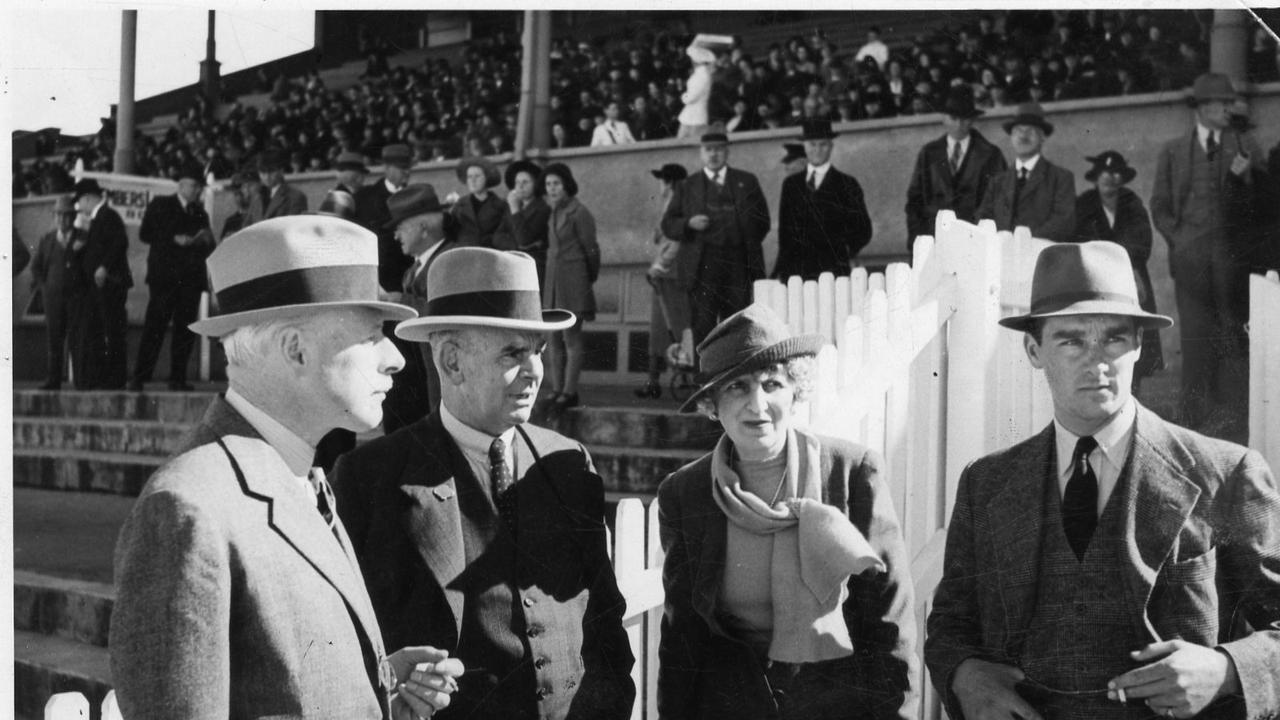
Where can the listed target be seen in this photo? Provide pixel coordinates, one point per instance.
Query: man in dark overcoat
(1034, 192)
(104, 265)
(372, 212)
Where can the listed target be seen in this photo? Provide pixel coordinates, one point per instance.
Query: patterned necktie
(1211, 145)
(1080, 500)
(501, 481)
(813, 181)
(956, 157)
(325, 502)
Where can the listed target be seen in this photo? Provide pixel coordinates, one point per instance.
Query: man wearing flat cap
(103, 269)
(953, 171)
(282, 198)
(481, 534)
(237, 591)
(176, 227)
(1033, 193)
(723, 212)
(822, 217)
(1197, 174)
(1114, 565)
(372, 212)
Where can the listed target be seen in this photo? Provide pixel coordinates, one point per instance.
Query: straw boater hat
(1092, 278)
(291, 266)
(482, 287)
(749, 340)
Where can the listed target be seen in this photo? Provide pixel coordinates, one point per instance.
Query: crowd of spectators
(447, 110)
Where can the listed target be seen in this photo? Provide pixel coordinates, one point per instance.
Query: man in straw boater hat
(481, 534)
(238, 594)
(822, 216)
(952, 172)
(1034, 192)
(1197, 174)
(1115, 565)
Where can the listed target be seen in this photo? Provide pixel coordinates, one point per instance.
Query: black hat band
(306, 286)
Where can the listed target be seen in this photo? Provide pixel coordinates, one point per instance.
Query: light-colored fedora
(751, 339)
(291, 266)
(1092, 278)
(482, 287)
(1211, 86)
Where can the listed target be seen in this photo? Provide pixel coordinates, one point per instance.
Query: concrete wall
(617, 187)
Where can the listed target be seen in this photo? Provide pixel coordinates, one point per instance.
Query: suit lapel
(1034, 179)
(1017, 527)
(277, 199)
(709, 519)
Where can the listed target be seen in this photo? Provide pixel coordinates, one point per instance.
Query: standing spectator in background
(1111, 211)
(176, 227)
(573, 266)
(351, 171)
(649, 125)
(1034, 192)
(106, 263)
(952, 172)
(722, 211)
(822, 217)
(245, 187)
(372, 213)
(671, 274)
(49, 276)
(282, 198)
(612, 131)
(1197, 176)
(873, 48)
(525, 228)
(480, 213)
(697, 93)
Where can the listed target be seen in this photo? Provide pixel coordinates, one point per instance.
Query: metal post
(525, 116)
(123, 161)
(541, 61)
(209, 75)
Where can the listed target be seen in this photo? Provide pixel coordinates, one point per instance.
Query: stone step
(57, 469)
(134, 437)
(47, 664)
(639, 428)
(170, 407)
(76, 610)
(637, 471)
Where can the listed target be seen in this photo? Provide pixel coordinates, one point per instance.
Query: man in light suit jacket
(822, 216)
(1197, 177)
(952, 172)
(238, 595)
(723, 211)
(282, 198)
(1115, 565)
(481, 534)
(1034, 192)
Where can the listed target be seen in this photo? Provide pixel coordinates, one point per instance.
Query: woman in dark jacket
(788, 585)
(573, 264)
(479, 213)
(525, 227)
(1111, 211)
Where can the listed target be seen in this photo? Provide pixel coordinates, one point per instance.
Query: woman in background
(525, 228)
(573, 265)
(479, 213)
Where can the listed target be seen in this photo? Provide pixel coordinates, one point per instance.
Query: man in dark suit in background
(481, 534)
(177, 229)
(952, 172)
(49, 274)
(1114, 560)
(372, 212)
(105, 263)
(1034, 192)
(282, 198)
(723, 211)
(822, 217)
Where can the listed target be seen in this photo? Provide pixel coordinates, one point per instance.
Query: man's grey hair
(251, 345)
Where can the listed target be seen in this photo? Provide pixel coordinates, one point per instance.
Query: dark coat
(705, 673)
(477, 229)
(285, 200)
(1171, 190)
(820, 231)
(1047, 205)
(404, 498)
(934, 187)
(107, 245)
(573, 259)
(526, 231)
(1200, 553)
(751, 214)
(372, 212)
(50, 270)
(167, 262)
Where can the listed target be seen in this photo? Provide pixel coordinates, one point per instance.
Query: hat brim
(819, 136)
(1045, 126)
(220, 325)
(1023, 323)
(419, 329)
(1126, 175)
(777, 352)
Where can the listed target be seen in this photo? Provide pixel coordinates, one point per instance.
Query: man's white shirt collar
(1107, 460)
(475, 444)
(713, 174)
(951, 146)
(296, 452)
(390, 187)
(1202, 134)
(817, 172)
(424, 256)
(1030, 165)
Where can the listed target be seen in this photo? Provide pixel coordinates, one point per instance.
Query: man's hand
(699, 222)
(986, 691)
(100, 276)
(388, 296)
(513, 202)
(426, 678)
(182, 240)
(1183, 679)
(1239, 164)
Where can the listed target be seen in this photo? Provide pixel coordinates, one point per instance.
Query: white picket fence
(1264, 366)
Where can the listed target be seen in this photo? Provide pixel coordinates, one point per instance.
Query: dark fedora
(411, 201)
(749, 340)
(1211, 86)
(64, 204)
(795, 151)
(87, 186)
(523, 166)
(1112, 162)
(350, 161)
(816, 129)
(273, 159)
(483, 288)
(398, 155)
(189, 170)
(491, 175)
(959, 104)
(671, 172)
(1029, 114)
(338, 203)
(1092, 278)
(715, 137)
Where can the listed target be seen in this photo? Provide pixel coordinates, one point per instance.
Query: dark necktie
(325, 502)
(411, 275)
(956, 157)
(501, 481)
(1211, 146)
(1017, 195)
(813, 181)
(1080, 500)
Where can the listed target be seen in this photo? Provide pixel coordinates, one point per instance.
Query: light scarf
(815, 551)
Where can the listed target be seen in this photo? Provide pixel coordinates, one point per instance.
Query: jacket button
(540, 663)
(528, 602)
